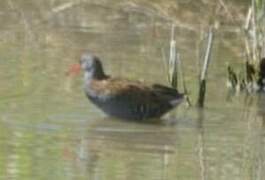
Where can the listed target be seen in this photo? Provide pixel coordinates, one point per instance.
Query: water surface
(49, 130)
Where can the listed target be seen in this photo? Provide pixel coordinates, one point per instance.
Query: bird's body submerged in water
(123, 98)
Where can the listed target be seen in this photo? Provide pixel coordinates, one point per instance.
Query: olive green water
(49, 130)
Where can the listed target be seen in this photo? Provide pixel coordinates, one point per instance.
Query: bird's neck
(94, 75)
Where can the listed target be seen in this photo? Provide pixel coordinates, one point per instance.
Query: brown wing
(130, 90)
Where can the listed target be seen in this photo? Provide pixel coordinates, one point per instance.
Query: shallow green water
(49, 130)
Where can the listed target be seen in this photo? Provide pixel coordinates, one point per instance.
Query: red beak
(73, 69)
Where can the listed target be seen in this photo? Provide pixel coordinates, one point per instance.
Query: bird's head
(90, 64)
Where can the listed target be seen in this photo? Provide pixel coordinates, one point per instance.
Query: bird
(123, 98)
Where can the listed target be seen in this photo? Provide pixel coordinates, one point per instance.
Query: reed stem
(202, 80)
(173, 60)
